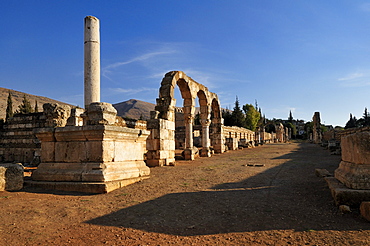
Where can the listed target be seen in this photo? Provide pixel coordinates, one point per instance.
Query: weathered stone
(365, 210)
(344, 195)
(354, 169)
(317, 134)
(91, 60)
(100, 113)
(94, 153)
(11, 176)
(322, 173)
(56, 115)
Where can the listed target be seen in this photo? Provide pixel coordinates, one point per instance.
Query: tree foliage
(252, 116)
(238, 118)
(226, 115)
(9, 108)
(36, 110)
(25, 107)
(290, 119)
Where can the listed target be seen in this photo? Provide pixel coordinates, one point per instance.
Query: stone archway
(161, 142)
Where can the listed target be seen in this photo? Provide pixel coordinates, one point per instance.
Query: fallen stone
(11, 176)
(344, 209)
(322, 173)
(365, 210)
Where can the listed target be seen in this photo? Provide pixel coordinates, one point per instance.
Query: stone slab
(85, 187)
(345, 196)
(11, 176)
(322, 173)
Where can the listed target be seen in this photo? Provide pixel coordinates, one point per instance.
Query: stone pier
(92, 60)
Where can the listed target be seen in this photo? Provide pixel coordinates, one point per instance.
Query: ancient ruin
(101, 155)
(316, 128)
(351, 184)
(93, 150)
(161, 142)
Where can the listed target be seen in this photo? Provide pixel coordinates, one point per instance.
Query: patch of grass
(4, 197)
(184, 184)
(85, 200)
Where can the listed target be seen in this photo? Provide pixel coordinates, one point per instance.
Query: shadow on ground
(284, 197)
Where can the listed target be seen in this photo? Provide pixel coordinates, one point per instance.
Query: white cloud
(352, 76)
(357, 79)
(107, 70)
(131, 91)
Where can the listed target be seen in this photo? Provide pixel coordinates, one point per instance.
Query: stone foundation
(97, 153)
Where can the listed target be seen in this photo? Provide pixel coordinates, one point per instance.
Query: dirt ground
(267, 195)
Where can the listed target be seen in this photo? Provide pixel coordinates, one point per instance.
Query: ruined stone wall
(18, 143)
(350, 131)
(235, 136)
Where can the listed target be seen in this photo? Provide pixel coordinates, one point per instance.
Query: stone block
(365, 210)
(11, 176)
(345, 195)
(354, 176)
(48, 151)
(355, 148)
(101, 113)
(70, 152)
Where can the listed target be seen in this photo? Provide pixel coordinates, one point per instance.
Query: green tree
(226, 115)
(366, 118)
(290, 119)
(351, 123)
(252, 116)
(36, 110)
(237, 116)
(25, 107)
(9, 108)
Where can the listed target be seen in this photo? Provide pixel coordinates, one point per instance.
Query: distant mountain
(17, 98)
(134, 109)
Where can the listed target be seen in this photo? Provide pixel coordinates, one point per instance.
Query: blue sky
(303, 56)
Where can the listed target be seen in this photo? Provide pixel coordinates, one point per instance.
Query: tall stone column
(205, 152)
(91, 60)
(189, 119)
(190, 152)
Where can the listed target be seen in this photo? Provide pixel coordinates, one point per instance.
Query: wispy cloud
(356, 79)
(131, 91)
(107, 70)
(352, 76)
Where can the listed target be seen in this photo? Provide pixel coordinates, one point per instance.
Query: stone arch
(161, 143)
(218, 141)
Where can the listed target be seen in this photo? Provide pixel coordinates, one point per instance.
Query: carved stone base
(190, 153)
(354, 176)
(94, 153)
(85, 187)
(205, 152)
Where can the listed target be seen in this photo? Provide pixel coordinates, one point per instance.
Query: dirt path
(268, 195)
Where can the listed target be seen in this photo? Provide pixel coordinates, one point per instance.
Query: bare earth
(276, 200)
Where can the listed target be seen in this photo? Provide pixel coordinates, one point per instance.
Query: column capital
(205, 122)
(189, 119)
